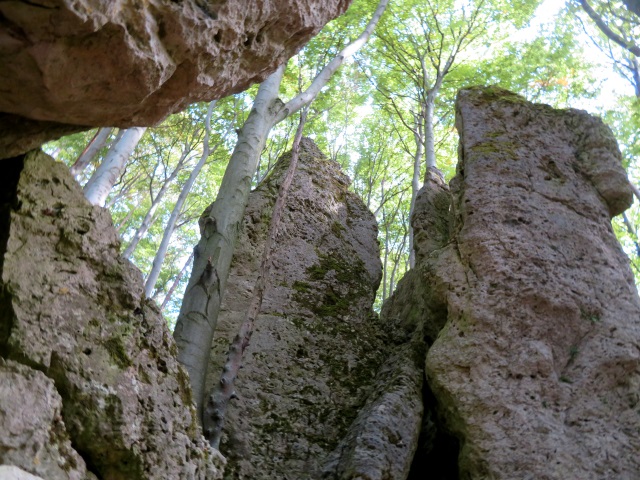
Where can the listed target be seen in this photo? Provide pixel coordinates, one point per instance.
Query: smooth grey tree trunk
(220, 222)
(107, 174)
(93, 147)
(148, 218)
(218, 229)
(415, 178)
(156, 267)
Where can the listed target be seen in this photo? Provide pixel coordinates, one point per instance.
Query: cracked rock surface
(537, 369)
(105, 63)
(84, 353)
(317, 343)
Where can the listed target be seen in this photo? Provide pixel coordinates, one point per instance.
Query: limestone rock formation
(104, 63)
(317, 344)
(89, 359)
(537, 369)
(395, 434)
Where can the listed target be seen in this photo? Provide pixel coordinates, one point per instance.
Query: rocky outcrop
(317, 344)
(89, 382)
(104, 63)
(395, 435)
(537, 369)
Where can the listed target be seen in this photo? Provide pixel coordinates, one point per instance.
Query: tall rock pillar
(537, 369)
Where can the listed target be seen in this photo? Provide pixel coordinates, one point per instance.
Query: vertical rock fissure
(437, 455)
(8, 202)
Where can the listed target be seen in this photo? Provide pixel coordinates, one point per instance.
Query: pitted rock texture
(317, 344)
(537, 369)
(73, 313)
(395, 435)
(33, 433)
(105, 63)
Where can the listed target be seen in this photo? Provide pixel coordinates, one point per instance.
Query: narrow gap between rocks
(437, 455)
(8, 202)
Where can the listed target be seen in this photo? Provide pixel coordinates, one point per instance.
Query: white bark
(219, 226)
(429, 136)
(415, 179)
(93, 147)
(107, 174)
(150, 215)
(220, 222)
(152, 278)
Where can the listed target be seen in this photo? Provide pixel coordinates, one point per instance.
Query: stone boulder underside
(104, 63)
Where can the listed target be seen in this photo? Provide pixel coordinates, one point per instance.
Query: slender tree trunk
(93, 147)
(176, 282)
(415, 179)
(218, 228)
(224, 390)
(220, 222)
(395, 264)
(429, 136)
(150, 215)
(107, 174)
(156, 267)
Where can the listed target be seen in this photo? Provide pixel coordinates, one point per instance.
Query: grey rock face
(33, 434)
(317, 344)
(104, 63)
(537, 369)
(98, 363)
(397, 423)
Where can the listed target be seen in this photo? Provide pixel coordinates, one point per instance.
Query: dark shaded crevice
(437, 455)
(12, 168)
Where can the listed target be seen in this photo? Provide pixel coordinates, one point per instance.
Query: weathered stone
(33, 434)
(537, 370)
(104, 63)
(19, 135)
(430, 220)
(73, 309)
(11, 472)
(381, 443)
(317, 344)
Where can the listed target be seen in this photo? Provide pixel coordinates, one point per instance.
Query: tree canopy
(385, 116)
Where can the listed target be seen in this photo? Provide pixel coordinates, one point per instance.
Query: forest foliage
(382, 116)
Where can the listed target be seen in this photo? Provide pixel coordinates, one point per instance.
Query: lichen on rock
(74, 317)
(317, 344)
(537, 368)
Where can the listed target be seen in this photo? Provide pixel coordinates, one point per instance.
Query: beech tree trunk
(218, 229)
(148, 218)
(419, 134)
(152, 278)
(220, 222)
(93, 147)
(224, 391)
(107, 174)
